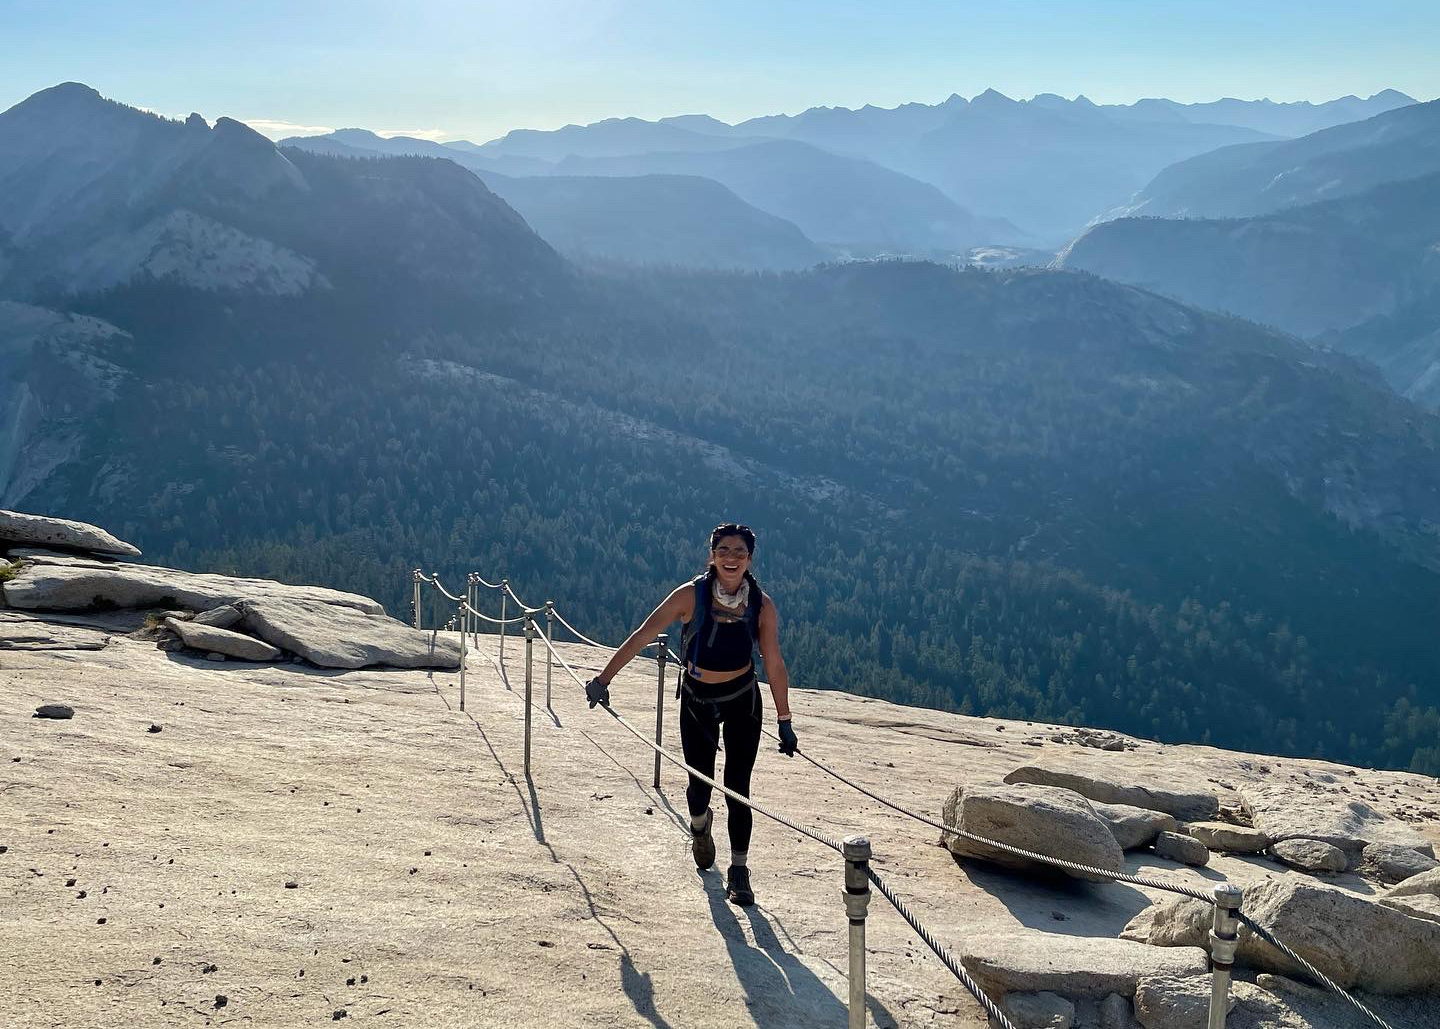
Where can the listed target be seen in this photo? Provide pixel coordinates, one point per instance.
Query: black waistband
(719, 692)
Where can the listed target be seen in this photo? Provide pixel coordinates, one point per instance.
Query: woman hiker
(726, 616)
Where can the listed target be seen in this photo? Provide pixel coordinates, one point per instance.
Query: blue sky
(450, 69)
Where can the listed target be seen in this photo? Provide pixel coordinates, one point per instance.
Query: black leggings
(700, 728)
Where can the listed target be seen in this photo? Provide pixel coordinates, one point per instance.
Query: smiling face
(731, 558)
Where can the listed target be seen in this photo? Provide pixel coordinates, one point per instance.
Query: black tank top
(725, 647)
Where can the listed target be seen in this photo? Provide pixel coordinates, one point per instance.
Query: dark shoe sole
(743, 900)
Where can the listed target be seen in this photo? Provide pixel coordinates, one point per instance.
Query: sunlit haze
(444, 69)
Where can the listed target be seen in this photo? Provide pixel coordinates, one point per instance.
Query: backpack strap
(690, 632)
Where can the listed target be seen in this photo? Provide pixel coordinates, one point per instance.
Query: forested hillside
(1030, 494)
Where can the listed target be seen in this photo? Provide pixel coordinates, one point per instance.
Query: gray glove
(597, 692)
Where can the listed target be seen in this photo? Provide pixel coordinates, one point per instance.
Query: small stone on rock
(1314, 856)
(53, 711)
(153, 728)
(1178, 847)
(291, 884)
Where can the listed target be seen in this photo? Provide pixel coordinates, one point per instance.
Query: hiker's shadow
(780, 990)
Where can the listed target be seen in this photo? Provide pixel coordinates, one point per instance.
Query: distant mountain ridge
(1047, 165)
(1331, 236)
(1258, 178)
(681, 220)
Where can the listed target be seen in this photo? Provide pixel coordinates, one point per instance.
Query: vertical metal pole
(1223, 939)
(504, 604)
(469, 604)
(857, 902)
(549, 657)
(530, 633)
(659, 703)
(415, 597)
(460, 624)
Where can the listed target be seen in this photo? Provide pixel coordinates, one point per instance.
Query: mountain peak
(69, 90)
(993, 98)
(355, 137)
(67, 96)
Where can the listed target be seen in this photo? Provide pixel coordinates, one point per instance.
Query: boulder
(1187, 806)
(1185, 849)
(1285, 812)
(18, 529)
(221, 617)
(342, 637)
(1416, 885)
(1352, 939)
(1392, 863)
(1116, 1012)
(1163, 1002)
(1075, 966)
(1038, 1010)
(1313, 856)
(1233, 839)
(1419, 905)
(1134, 826)
(1043, 819)
(57, 582)
(222, 641)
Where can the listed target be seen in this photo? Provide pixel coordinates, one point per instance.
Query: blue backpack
(700, 620)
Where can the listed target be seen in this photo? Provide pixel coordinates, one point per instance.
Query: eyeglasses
(731, 552)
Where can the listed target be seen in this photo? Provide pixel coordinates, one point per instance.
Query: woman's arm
(676, 607)
(774, 663)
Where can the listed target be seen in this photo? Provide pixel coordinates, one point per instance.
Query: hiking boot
(702, 844)
(737, 886)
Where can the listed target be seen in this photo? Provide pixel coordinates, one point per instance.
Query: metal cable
(578, 634)
(508, 589)
(814, 834)
(481, 580)
(603, 646)
(496, 621)
(1138, 880)
(1319, 976)
(434, 580)
(940, 952)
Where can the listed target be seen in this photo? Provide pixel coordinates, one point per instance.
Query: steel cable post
(857, 904)
(1223, 937)
(504, 597)
(415, 596)
(530, 633)
(659, 704)
(472, 596)
(460, 619)
(549, 661)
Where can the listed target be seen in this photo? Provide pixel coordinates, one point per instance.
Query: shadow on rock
(1056, 903)
(780, 990)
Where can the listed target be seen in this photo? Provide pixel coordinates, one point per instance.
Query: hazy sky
(451, 69)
